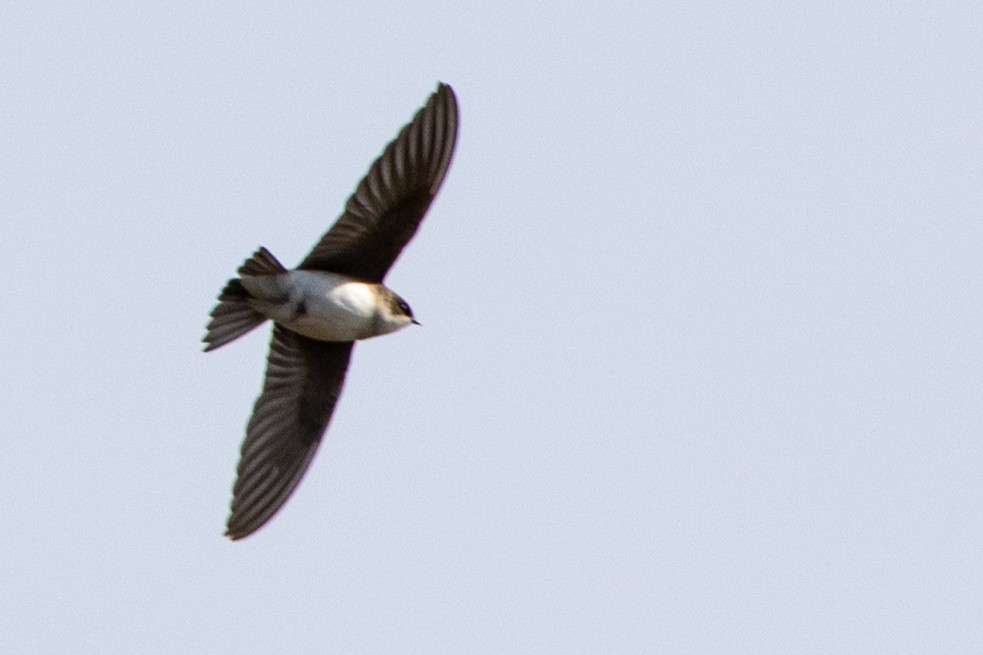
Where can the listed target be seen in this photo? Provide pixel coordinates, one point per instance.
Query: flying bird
(319, 309)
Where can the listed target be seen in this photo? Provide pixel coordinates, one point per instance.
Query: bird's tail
(233, 316)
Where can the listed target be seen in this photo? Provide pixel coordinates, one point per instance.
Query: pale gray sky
(701, 364)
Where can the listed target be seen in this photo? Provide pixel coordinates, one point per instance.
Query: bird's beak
(416, 322)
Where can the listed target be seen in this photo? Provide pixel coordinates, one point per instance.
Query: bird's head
(396, 313)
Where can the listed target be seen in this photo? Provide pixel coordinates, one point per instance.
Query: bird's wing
(303, 381)
(384, 212)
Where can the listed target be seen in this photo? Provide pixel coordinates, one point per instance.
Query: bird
(319, 309)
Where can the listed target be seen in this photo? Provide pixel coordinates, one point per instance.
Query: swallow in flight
(319, 309)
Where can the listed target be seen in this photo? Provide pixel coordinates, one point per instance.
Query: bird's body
(327, 306)
(332, 299)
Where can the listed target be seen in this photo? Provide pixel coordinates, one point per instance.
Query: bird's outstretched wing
(384, 212)
(303, 381)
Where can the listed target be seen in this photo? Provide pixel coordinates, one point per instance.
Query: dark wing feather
(303, 380)
(384, 212)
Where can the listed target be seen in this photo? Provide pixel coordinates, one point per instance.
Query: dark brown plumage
(304, 376)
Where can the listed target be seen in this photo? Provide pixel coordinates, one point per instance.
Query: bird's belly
(318, 304)
(330, 308)
(328, 322)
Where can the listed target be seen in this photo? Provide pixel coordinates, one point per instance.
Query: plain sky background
(700, 369)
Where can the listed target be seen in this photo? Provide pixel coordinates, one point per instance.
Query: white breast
(325, 306)
(332, 307)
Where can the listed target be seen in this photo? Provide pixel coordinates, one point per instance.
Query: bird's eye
(403, 307)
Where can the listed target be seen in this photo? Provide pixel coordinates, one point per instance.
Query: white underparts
(324, 306)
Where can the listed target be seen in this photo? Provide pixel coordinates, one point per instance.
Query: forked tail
(233, 316)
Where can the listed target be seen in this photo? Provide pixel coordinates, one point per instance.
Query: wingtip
(443, 106)
(237, 532)
(445, 90)
(445, 94)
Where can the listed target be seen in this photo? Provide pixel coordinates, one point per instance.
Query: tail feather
(262, 263)
(233, 316)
